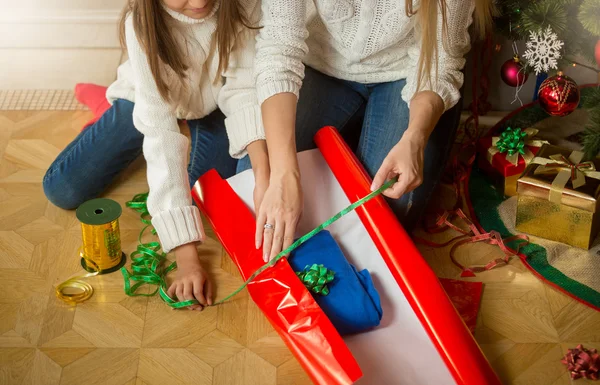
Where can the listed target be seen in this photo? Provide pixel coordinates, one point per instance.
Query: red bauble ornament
(559, 95)
(597, 53)
(512, 72)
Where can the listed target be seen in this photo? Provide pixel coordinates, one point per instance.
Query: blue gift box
(353, 303)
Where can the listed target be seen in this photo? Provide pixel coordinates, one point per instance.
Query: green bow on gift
(514, 142)
(316, 278)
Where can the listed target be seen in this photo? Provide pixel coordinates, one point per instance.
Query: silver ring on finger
(269, 226)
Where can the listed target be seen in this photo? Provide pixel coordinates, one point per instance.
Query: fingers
(171, 290)
(184, 291)
(398, 189)
(188, 294)
(268, 234)
(179, 292)
(208, 289)
(288, 237)
(260, 228)
(406, 183)
(277, 243)
(381, 176)
(199, 292)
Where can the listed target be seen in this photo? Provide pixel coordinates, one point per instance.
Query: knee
(61, 192)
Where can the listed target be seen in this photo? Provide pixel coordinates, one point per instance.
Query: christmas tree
(575, 22)
(559, 33)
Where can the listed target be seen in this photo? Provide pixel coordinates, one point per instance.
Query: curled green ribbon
(316, 278)
(512, 141)
(147, 260)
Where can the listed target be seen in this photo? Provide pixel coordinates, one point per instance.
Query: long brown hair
(155, 35)
(427, 20)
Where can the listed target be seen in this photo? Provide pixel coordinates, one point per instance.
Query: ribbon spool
(101, 236)
(101, 249)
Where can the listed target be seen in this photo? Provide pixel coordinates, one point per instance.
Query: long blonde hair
(427, 19)
(152, 29)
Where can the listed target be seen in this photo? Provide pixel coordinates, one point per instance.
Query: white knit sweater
(367, 41)
(166, 149)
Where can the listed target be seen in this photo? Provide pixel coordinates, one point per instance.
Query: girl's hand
(279, 213)
(191, 281)
(405, 160)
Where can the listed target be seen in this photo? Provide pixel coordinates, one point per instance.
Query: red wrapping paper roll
(277, 291)
(439, 318)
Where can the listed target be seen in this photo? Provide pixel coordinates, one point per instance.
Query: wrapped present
(558, 197)
(505, 157)
(436, 346)
(352, 305)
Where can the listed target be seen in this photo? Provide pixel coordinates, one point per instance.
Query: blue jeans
(92, 161)
(89, 164)
(384, 120)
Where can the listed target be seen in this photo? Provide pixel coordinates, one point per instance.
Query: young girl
(188, 59)
(398, 64)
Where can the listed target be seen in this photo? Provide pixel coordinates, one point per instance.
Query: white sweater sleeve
(238, 99)
(281, 48)
(449, 78)
(175, 219)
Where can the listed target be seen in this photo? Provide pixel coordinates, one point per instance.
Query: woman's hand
(191, 281)
(280, 209)
(405, 160)
(279, 213)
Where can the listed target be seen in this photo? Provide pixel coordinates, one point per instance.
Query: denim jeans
(89, 164)
(384, 118)
(93, 160)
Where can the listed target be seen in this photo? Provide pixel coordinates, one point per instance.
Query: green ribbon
(316, 278)
(512, 141)
(147, 260)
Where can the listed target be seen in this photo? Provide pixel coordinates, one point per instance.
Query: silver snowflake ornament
(543, 50)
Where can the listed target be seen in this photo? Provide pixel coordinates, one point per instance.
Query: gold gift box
(568, 215)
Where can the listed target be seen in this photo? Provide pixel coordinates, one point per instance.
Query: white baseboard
(57, 48)
(59, 29)
(25, 69)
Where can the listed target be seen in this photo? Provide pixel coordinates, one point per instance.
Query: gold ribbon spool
(101, 248)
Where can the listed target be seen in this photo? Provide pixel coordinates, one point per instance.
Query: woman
(398, 64)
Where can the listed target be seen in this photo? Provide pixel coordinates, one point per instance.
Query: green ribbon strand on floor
(147, 261)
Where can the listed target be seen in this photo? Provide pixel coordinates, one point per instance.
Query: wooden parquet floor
(524, 326)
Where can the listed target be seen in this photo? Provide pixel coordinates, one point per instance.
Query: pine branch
(589, 16)
(573, 62)
(508, 21)
(542, 14)
(591, 135)
(592, 99)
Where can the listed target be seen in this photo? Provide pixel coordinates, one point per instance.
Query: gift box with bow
(558, 197)
(421, 339)
(505, 157)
